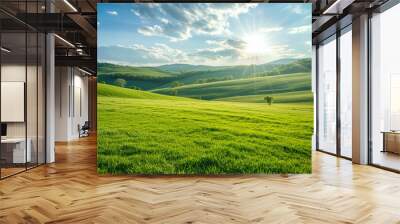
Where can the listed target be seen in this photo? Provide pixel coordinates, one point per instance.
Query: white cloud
(270, 29)
(113, 13)
(162, 52)
(141, 55)
(300, 29)
(296, 8)
(180, 21)
(150, 30)
(229, 43)
(219, 53)
(164, 20)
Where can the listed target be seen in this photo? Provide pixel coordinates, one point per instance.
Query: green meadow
(147, 133)
(196, 119)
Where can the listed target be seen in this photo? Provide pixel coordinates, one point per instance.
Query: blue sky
(150, 34)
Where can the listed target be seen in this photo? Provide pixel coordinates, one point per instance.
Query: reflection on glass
(385, 92)
(346, 94)
(41, 98)
(22, 91)
(327, 96)
(31, 101)
(13, 85)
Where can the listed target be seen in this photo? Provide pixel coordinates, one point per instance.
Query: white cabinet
(19, 154)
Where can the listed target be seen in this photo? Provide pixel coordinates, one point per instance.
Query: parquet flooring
(70, 191)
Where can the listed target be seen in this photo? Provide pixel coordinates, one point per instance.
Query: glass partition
(327, 96)
(385, 89)
(41, 97)
(22, 88)
(346, 93)
(13, 94)
(31, 98)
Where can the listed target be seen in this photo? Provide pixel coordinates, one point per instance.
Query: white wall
(62, 82)
(70, 84)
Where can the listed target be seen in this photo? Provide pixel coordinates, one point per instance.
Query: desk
(391, 141)
(16, 147)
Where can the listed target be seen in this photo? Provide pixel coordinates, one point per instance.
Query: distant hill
(119, 92)
(282, 61)
(129, 71)
(142, 77)
(148, 78)
(183, 68)
(243, 87)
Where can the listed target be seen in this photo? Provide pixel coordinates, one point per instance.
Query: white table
(19, 153)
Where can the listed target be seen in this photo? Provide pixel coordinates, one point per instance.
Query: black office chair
(84, 130)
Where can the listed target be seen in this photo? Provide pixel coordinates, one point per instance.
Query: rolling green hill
(184, 68)
(147, 133)
(148, 78)
(133, 72)
(243, 87)
(115, 91)
(288, 97)
(142, 77)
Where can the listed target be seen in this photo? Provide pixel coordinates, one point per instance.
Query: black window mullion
(338, 76)
(316, 97)
(0, 93)
(369, 90)
(37, 90)
(26, 86)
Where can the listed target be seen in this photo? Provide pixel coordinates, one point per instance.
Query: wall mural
(201, 88)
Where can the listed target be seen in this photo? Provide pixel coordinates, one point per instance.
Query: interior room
(39, 109)
(71, 103)
(22, 99)
(48, 150)
(385, 90)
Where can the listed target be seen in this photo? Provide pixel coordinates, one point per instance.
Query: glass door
(22, 78)
(327, 96)
(14, 155)
(346, 92)
(385, 89)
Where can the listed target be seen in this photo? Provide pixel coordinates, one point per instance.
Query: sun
(255, 44)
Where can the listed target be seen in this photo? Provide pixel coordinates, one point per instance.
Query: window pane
(346, 94)
(14, 153)
(31, 98)
(327, 96)
(41, 99)
(385, 89)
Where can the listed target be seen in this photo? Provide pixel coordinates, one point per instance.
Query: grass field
(288, 97)
(147, 133)
(243, 87)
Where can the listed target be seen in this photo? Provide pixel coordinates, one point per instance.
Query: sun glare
(255, 44)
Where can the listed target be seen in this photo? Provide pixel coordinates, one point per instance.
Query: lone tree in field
(269, 99)
(120, 82)
(176, 84)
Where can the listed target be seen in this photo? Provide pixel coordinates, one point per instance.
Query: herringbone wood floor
(70, 191)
